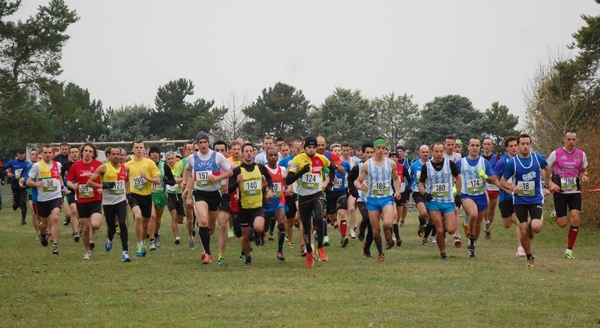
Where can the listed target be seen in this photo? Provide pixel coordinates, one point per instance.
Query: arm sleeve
(233, 183)
(423, 176)
(454, 169)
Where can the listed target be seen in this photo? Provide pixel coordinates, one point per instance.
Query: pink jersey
(567, 166)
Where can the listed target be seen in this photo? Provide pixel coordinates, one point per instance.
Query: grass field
(412, 288)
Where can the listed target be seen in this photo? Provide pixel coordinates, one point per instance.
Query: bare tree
(231, 126)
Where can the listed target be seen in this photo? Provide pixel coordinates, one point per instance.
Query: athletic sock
(343, 228)
(573, 232)
(205, 238)
(422, 221)
(378, 245)
(428, 229)
(396, 231)
(281, 239)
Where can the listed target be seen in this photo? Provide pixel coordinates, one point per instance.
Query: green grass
(412, 288)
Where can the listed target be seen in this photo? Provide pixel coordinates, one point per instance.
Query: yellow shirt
(310, 182)
(137, 184)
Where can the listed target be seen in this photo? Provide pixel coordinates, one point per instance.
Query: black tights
(120, 211)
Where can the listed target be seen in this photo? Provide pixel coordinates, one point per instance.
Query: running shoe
(108, 245)
(569, 254)
(271, 236)
(345, 241)
(399, 242)
(76, 237)
(206, 258)
(457, 243)
(335, 224)
(432, 240)
(520, 252)
(23, 222)
(310, 260)
(352, 234)
(303, 251)
(44, 239)
(280, 256)
(325, 241)
(141, 251)
(381, 257)
(530, 262)
(153, 245)
(191, 243)
(487, 229)
(443, 256)
(388, 238)
(291, 244)
(177, 241)
(230, 233)
(54, 249)
(402, 224)
(87, 255)
(248, 263)
(92, 245)
(125, 257)
(222, 262)
(425, 242)
(421, 231)
(157, 242)
(322, 254)
(366, 253)
(243, 257)
(66, 222)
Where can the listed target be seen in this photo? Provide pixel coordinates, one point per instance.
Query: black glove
(108, 185)
(428, 197)
(457, 200)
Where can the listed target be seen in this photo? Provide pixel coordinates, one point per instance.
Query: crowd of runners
(306, 186)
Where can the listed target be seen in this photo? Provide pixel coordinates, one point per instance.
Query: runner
(114, 203)
(435, 185)
(89, 200)
(526, 169)
(204, 171)
(491, 189)
(247, 178)
(505, 204)
(141, 174)
(475, 172)
(568, 166)
(45, 176)
(308, 167)
(380, 172)
(14, 169)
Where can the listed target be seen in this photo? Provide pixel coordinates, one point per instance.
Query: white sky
(122, 51)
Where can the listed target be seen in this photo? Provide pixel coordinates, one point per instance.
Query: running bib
(527, 188)
(202, 178)
(18, 173)
(568, 184)
(276, 189)
(338, 183)
(139, 183)
(440, 190)
(157, 188)
(118, 189)
(51, 185)
(380, 189)
(474, 186)
(84, 191)
(252, 187)
(310, 181)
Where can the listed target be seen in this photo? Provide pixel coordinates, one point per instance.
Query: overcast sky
(122, 51)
